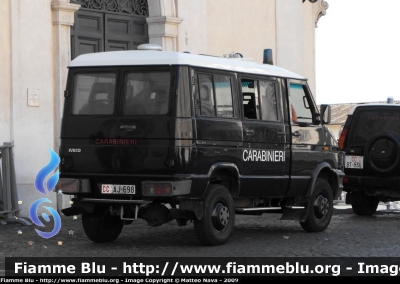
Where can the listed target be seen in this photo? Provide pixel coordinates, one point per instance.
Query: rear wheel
(320, 209)
(365, 205)
(101, 226)
(216, 226)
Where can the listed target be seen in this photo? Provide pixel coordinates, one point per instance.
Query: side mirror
(326, 114)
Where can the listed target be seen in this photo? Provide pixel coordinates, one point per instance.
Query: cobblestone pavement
(348, 235)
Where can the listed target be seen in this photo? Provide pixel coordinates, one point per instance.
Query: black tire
(320, 207)
(101, 227)
(216, 226)
(382, 153)
(365, 205)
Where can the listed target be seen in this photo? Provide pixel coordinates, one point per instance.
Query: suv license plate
(354, 162)
(117, 189)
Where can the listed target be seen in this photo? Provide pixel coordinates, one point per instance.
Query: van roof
(146, 57)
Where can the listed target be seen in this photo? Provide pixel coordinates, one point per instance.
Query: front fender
(322, 170)
(334, 178)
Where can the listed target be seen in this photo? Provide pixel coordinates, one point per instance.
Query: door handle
(296, 134)
(128, 127)
(249, 131)
(281, 133)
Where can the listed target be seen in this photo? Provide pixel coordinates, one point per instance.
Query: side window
(250, 98)
(94, 94)
(259, 99)
(215, 95)
(223, 94)
(269, 106)
(299, 104)
(207, 106)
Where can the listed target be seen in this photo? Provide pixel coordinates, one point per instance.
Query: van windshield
(147, 93)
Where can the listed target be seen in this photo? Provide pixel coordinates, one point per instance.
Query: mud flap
(294, 214)
(192, 205)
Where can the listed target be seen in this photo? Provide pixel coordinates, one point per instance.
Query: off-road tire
(320, 208)
(101, 227)
(217, 224)
(382, 153)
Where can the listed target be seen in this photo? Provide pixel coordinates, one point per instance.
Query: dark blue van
(194, 138)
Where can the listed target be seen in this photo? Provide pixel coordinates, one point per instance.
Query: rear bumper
(87, 205)
(370, 182)
(388, 187)
(145, 188)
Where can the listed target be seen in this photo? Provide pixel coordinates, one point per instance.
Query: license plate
(354, 162)
(117, 189)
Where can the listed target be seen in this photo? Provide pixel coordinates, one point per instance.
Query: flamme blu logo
(40, 186)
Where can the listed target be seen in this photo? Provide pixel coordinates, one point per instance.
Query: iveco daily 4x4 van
(168, 135)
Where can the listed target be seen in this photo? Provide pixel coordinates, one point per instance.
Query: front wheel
(101, 226)
(320, 209)
(216, 226)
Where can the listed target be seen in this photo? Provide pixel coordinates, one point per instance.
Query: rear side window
(147, 93)
(94, 94)
(369, 120)
(215, 95)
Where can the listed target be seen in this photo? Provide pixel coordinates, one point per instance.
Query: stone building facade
(39, 38)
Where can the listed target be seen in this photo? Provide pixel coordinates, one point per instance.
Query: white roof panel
(145, 57)
(372, 105)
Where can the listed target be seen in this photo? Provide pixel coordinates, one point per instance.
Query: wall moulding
(163, 26)
(63, 13)
(321, 10)
(136, 7)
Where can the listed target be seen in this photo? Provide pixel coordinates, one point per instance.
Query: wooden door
(97, 31)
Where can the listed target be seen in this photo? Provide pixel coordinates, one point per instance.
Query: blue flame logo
(45, 171)
(50, 185)
(36, 221)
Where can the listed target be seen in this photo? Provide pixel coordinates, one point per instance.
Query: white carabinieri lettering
(263, 155)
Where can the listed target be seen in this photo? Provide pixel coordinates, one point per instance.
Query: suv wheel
(216, 226)
(320, 209)
(382, 152)
(365, 205)
(101, 227)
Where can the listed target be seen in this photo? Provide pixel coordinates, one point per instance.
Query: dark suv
(371, 141)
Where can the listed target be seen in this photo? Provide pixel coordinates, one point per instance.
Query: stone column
(163, 30)
(63, 19)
